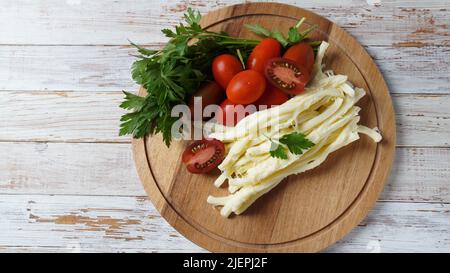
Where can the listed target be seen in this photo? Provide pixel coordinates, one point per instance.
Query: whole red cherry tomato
(302, 54)
(246, 87)
(224, 68)
(267, 49)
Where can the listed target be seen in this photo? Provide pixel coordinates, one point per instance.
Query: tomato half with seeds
(264, 51)
(224, 68)
(246, 87)
(302, 54)
(203, 156)
(287, 75)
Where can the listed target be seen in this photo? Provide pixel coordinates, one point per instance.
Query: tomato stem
(299, 23)
(239, 54)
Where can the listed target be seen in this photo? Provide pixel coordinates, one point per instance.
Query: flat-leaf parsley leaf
(295, 142)
(172, 74)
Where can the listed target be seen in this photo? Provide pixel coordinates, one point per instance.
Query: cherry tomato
(224, 68)
(267, 49)
(272, 97)
(287, 75)
(229, 114)
(302, 54)
(202, 156)
(210, 93)
(246, 87)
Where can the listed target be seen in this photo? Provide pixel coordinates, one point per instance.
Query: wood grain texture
(422, 120)
(107, 68)
(66, 68)
(57, 116)
(418, 174)
(42, 223)
(429, 65)
(40, 52)
(396, 233)
(293, 219)
(405, 23)
(85, 224)
(68, 168)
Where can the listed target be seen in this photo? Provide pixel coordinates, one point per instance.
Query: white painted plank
(418, 174)
(85, 224)
(405, 37)
(422, 119)
(79, 68)
(408, 3)
(414, 70)
(94, 116)
(107, 68)
(68, 168)
(61, 116)
(400, 227)
(393, 26)
(113, 22)
(128, 224)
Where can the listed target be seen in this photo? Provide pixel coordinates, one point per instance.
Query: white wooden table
(67, 180)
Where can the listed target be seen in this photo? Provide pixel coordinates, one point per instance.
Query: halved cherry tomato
(267, 49)
(272, 97)
(202, 156)
(246, 87)
(229, 114)
(302, 54)
(287, 75)
(224, 68)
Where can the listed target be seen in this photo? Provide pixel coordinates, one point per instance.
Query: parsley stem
(239, 42)
(236, 40)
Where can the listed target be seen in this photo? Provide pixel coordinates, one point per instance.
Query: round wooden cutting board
(306, 212)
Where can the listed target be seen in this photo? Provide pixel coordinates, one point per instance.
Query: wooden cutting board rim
(170, 213)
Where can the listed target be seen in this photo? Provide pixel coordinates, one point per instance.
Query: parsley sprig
(294, 35)
(295, 142)
(172, 74)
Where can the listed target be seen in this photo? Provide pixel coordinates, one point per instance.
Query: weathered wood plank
(414, 70)
(61, 116)
(129, 224)
(422, 120)
(85, 224)
(409, 41)
(79, 68)
(71, 22)
(400, 227)
(419, 174)
(68, 168)
(394, 25)
(107, 68)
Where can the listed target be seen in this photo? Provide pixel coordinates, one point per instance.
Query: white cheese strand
(242, 199)
(325, 113)
(372, 133)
